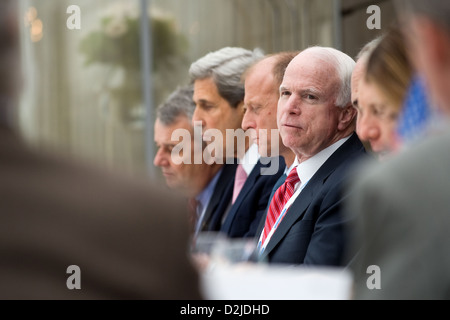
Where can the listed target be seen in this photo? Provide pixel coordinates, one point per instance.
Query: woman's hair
(389, 68)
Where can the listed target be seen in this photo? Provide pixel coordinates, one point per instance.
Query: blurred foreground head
(57, 213)
(427, 28)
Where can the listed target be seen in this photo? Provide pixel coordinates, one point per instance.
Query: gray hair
(178, 104)
(225, 67)
(437, 10)
(344, 66)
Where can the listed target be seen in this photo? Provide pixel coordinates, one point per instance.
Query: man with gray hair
(236, 208)
(402, 206)
(70, 231)
(176, 158)
(304, 223)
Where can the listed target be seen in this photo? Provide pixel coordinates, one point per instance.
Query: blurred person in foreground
(304, 223)
(382, 91)
(219, 97)
(401, 206)
(57, 213)
(177, 148)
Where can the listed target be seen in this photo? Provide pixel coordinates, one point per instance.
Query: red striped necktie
(279, 200)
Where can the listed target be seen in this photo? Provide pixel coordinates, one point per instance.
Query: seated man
(262, 91)
(195, 181)
(219, 97)
(304, 223)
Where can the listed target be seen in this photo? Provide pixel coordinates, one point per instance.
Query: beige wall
(355, 32)
(67, 105)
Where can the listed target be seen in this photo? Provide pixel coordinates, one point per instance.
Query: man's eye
(285, 93)
(310, 97)
(168, 149)
(206, 107)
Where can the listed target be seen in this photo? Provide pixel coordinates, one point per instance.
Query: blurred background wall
(83, 92)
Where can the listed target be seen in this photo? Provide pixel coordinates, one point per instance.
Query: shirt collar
(288, 170)
(307, 169)
(250, 159)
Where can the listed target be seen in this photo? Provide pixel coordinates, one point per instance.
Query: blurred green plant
(117, 45)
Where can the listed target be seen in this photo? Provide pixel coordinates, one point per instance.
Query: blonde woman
(382, 92)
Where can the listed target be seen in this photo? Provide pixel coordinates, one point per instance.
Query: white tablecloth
(266, 282)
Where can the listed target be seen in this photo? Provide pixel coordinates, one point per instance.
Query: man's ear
(347, 117)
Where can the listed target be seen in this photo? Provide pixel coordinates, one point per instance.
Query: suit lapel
(226, 177)
(295, 212)
(301, 204)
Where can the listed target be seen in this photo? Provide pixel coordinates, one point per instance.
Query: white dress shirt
(250, 159)
(248, 162)
(203, 200)
(305, 170)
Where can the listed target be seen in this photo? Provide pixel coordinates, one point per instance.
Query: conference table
(263, 282)
(227, 274)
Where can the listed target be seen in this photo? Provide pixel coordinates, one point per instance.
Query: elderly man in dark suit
(304, 223)
(68, 231)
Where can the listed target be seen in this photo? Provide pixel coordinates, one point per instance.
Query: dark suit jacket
(246, 213)
(312, 232)
(128, 238)
(220, 200)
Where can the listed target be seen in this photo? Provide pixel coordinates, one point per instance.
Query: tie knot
(293, 178)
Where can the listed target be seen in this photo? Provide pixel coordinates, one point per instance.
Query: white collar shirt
(305, 170)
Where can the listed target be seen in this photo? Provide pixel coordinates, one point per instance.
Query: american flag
(417, 117)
